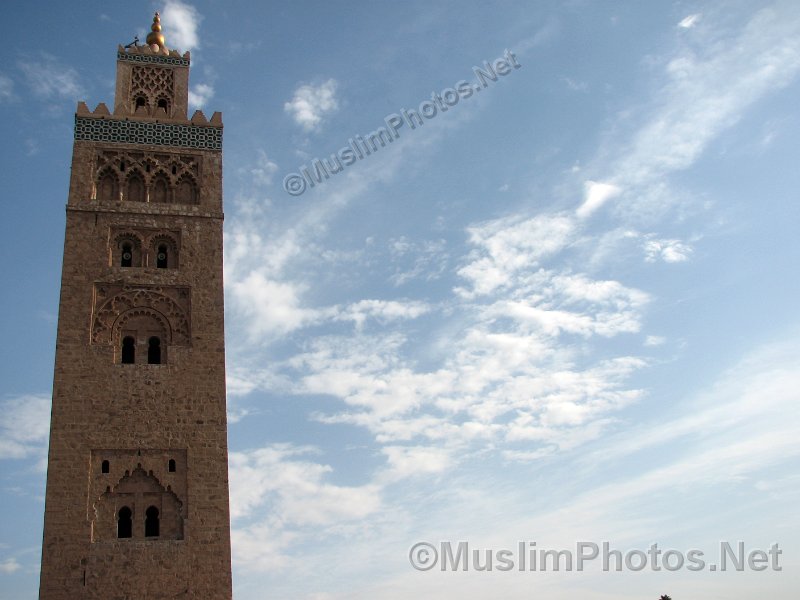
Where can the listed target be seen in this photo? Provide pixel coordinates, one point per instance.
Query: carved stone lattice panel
(115, 304)
(152, 81)
(148, 164)
(147, 176)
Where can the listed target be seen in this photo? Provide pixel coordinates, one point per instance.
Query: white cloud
(733, 418)
(10, 565)
(575, 86)
(272, 307)
(278, 482)
(25, 425)
(706, 91)
(410, 461)
(654, 340)
(200, 94)
(509, 245)
(180, 23)
(668, 250)
(311, 104)
(382, 310)
(597, 194)
(50, 80)
(6, 89)
(264, 170)
(690, 21)
(517, 364)
(425, 260)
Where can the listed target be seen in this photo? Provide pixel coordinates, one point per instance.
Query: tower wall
(137, 483)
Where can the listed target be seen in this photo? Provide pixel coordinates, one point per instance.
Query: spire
(155, 39)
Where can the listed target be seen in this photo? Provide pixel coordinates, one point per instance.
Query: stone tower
(137, 480)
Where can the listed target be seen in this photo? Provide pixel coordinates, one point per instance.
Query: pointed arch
(163, 103)
(160, 191)
(163, 252)
(126, 250)
(186, 191)
(140, 100)
(116, 312)
(107, 186)
(135, 188)
(146, 328)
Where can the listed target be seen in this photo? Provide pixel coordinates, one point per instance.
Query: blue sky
(563, 310)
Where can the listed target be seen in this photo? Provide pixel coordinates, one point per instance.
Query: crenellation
(198, 118)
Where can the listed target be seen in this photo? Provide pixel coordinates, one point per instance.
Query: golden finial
(155, 39)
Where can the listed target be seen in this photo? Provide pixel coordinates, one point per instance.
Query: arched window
(160, 190)
(154, 351)
(163, 103)
(161, 257)
(140, 102)
(108, 188)
(104, 467)
(135, 191)
(171, 465)
(128, 350)
(151, 522)
(124, 523)
(126, 258)
(163, 252)
(186, 192)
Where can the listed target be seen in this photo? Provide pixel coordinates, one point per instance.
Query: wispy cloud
(509, 245)
(690, 21)
(25, 425)
(668, 250)
(310, 104)
(6, 89)
(9, 565)
(514, 360)
(50, 80)
(706, 92)
(264, 169)
(426, 260)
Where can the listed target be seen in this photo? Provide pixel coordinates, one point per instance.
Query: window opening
(154, 351)
(128, 350)
(125, 523)
(151, 522)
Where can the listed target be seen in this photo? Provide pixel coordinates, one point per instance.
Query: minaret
(137, 480)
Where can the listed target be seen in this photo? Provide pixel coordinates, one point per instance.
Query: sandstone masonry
(137, 482)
